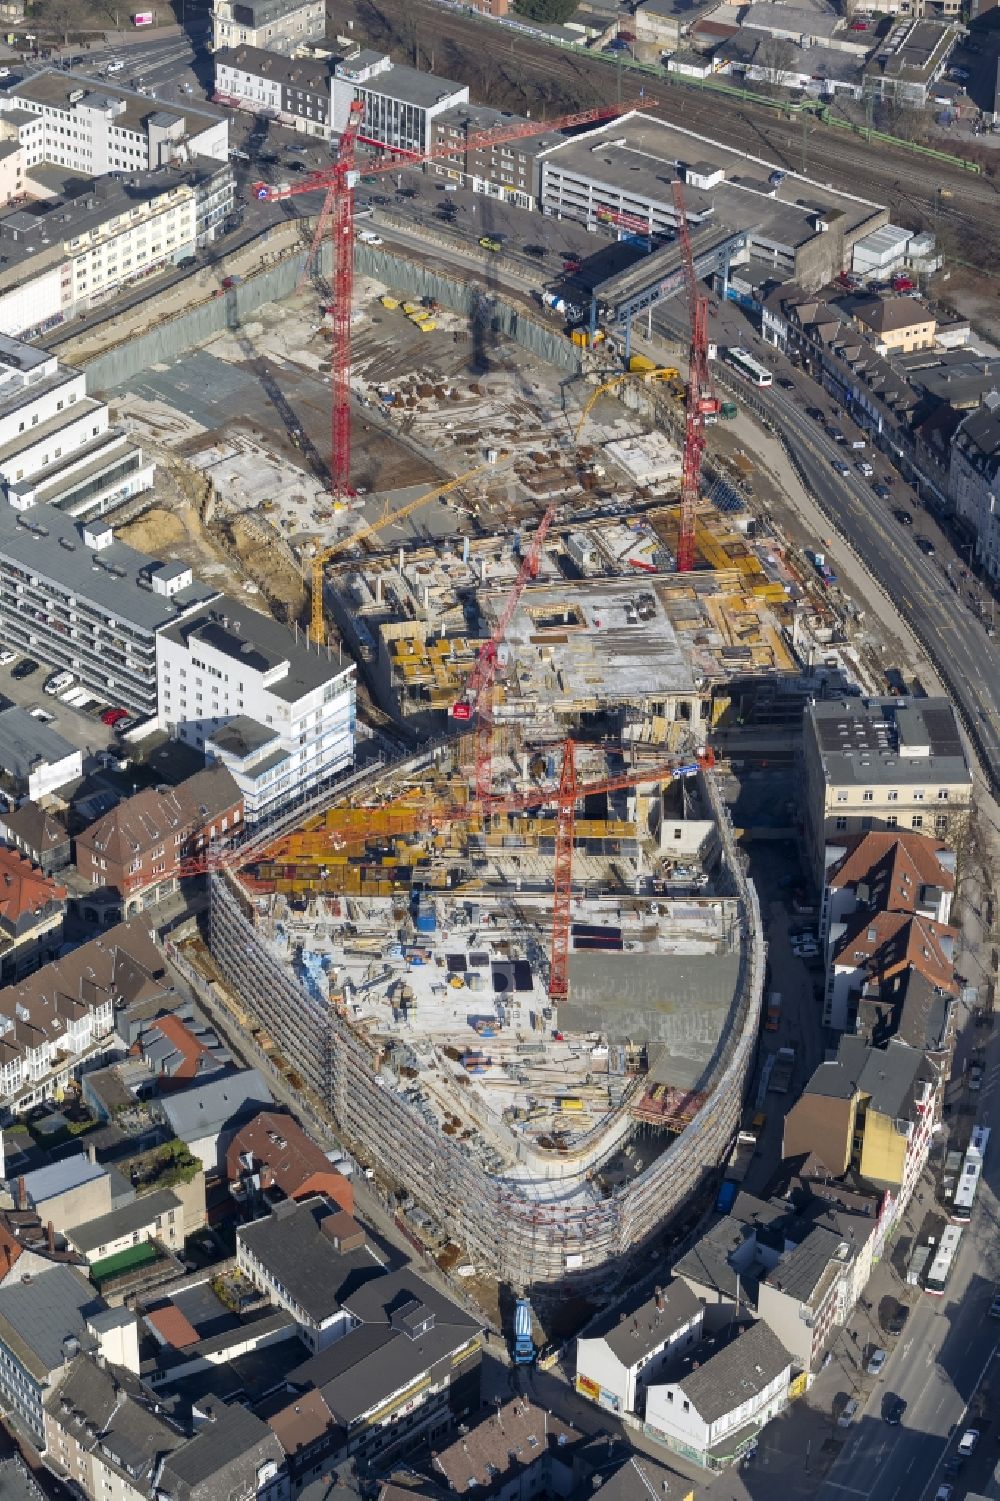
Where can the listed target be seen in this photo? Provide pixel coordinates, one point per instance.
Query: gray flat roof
(125, 1221)
(45, 541)
(407, 84)
(25, 743)
(680, 1001)
(654, 149)
(207, 1107)
(882, 741)
(255, 641)
(241, 736)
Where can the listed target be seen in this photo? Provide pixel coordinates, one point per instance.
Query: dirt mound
(154, 531)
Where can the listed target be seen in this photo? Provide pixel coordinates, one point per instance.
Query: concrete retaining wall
(122, 363)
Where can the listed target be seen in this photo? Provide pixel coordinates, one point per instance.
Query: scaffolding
(523, 1238)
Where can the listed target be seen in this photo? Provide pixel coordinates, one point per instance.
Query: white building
(242, 689)
(400, 103)
(95, 127)
(882, 870)
(37, 760)
(66, 256)
(56, 443)
(974, 480)
(291, 90)
(714, 1412)
(73, 598)
(615, 1365)
(276, 25)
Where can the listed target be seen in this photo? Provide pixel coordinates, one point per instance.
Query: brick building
(134, 853)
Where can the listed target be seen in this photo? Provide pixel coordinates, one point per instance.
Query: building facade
(400, 104)
(280, 715)
(615, 1366)
(137, 850)
(273, 25)
(881, 763)
(974, 481)
(57, 445)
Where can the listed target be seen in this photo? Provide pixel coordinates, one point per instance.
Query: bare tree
(64, 16)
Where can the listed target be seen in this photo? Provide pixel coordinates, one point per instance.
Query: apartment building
(400, 103)
(896, 325)
(135, 851)
(94, 127)
(887, 872)
(617, 1361)
(881, 763)
(76, 251)
(974, 480)
(32, 907)
(509, 170)
(35, 759)
(42, 1323)
(51, 1022)
(732, 1385)
(104, 1434)
(74, 598)
(273, 25)
(870, 1110)
(57, 445)
(795, 1269)
(38, 834)
(271, 1158)
(291, 90)
(279, 714)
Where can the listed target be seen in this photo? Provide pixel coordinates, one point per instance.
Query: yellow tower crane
(319, 562)
(666, 373)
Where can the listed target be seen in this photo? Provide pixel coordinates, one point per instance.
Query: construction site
(534, 1023)
(520, 968)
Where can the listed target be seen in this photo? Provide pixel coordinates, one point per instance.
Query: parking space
(81, 728)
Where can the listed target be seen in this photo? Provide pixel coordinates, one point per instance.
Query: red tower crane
(478, 696)
(701, 398)
(338, 182)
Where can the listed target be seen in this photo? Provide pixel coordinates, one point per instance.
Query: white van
(369, 237)
(115, 66)
(59, 682)
(849, 1413)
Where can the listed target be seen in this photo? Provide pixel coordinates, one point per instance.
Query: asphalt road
(936, 1368)
(919, 586)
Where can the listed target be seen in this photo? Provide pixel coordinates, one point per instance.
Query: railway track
(513, 71)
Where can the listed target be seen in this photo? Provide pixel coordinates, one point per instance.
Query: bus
(743, 362)
(944, 1260)
(972, 1169)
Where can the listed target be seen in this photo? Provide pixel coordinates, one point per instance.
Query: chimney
(92, 1154)
(22, 1193)
(50, 1231)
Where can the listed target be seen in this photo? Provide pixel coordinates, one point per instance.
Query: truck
(773, 1011)
(524, 1345)
(728, 410)
(781, 1072)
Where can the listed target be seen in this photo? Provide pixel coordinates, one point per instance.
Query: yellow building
(897, 324)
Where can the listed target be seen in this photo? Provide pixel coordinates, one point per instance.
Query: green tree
(64, 16)
(555, 11)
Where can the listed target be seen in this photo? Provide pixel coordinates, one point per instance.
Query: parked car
(841, 467)
(893, 1411)
(967, 1443)
(903, 517)
(489, 242)
(882, 491)
(785, 383)
(835, 434)
(926, 546)
(187, 261)
(7, 656)
(24, 668)
(538, 251)
(876, 1361)
(944, 1493)
(815, 413)
(113, 716)
(58, 682)
(850, 1412)
(897, 1321)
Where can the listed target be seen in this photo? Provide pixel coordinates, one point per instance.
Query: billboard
(143, 18)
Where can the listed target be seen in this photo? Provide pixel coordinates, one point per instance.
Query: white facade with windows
(240, 688)
(56, 443)
(400, 103)
(96, 128)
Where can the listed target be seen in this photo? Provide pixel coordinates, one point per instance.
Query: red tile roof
(24, 889)
(172, 1326)
(895, 867)
(886, 943)
(184, 1040)
(298, 1165)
